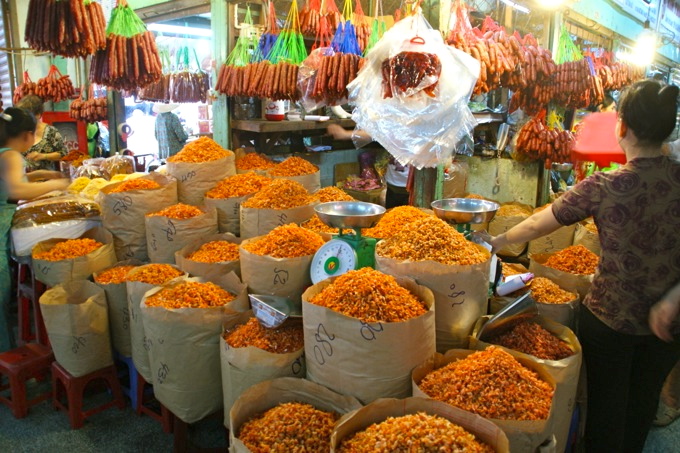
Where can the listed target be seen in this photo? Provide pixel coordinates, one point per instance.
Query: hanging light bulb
(645, 46)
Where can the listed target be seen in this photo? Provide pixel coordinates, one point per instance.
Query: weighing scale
(345, 251)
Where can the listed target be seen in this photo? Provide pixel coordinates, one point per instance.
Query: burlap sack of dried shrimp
(262, 354)
(184, 344)
(117, 304)
(228, 194)
(55, 261)
(389, 349)
(565, 372)
(269, 394)
(571, 281)
(77, 325)
(454, 269)
(587, 235)
(557, 240)
(139, 281)
(281, 202)
(380, 410)
(167, 232)
(213, 254)
(280, 272)
(523, 435)
(299, 170)
(123, 212)
(507, 216)
(198, 167)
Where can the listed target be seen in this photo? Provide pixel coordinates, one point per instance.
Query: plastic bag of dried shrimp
(565, 369)
(416, 84)
(251, 353)
(183, 321)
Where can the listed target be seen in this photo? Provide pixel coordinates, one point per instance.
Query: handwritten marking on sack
(133, 313)
(280, 276)
(126, 318)
(163, 371)
(128, 253)
(44, 268)
(147, 343)
(368, 331)
(456, 296)
(296, 366)
(188, 176)
(170, 231)
(154, 244)
(237, 208)
(78, 342)
(122, 205)
(283, 219)
(323, 347)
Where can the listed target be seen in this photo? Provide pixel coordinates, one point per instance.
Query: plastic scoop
(272, 311)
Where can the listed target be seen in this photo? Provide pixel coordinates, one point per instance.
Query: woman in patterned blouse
(49, 145)
(637, 212)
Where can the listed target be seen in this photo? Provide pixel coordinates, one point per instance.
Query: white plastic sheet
(415, 127)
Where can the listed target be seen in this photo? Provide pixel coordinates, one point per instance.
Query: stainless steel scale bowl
(349, 214)
(464, 210)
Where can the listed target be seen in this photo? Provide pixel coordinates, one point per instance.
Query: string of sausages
(263, 79)
(90, 110)
(127, 63)
(333, 75)
(65, 27)
(187, 86)
(616, 75)
(536, 141)
(158, 91)
(26, 88)
(54, 86)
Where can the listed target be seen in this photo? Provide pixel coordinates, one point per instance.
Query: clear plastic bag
(117, 165)
(55, 209)
(420, 126)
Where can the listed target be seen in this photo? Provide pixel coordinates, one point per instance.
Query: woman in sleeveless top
(17, 129)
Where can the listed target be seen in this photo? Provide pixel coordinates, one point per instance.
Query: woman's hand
(497, 242)
(34, 156)
(338, 132)
(663, 313)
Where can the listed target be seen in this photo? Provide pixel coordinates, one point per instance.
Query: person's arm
(539, 224)
(38, 175)
(12, 171)
(664, 312)
(177, 128)
(37, 157)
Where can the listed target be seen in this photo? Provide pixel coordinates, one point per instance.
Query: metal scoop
(272, 311)
(520, 309)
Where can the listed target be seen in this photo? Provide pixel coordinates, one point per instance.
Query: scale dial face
(335, 257)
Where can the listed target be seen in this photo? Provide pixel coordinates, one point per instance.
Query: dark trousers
(395, 196)
(625, 374)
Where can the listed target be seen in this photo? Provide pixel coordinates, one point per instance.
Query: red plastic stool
(146, 401)
(20, 365)
(29, 291)
(75, 387)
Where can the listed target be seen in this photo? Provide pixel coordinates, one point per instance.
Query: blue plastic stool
(131, 390)
(573, 439)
